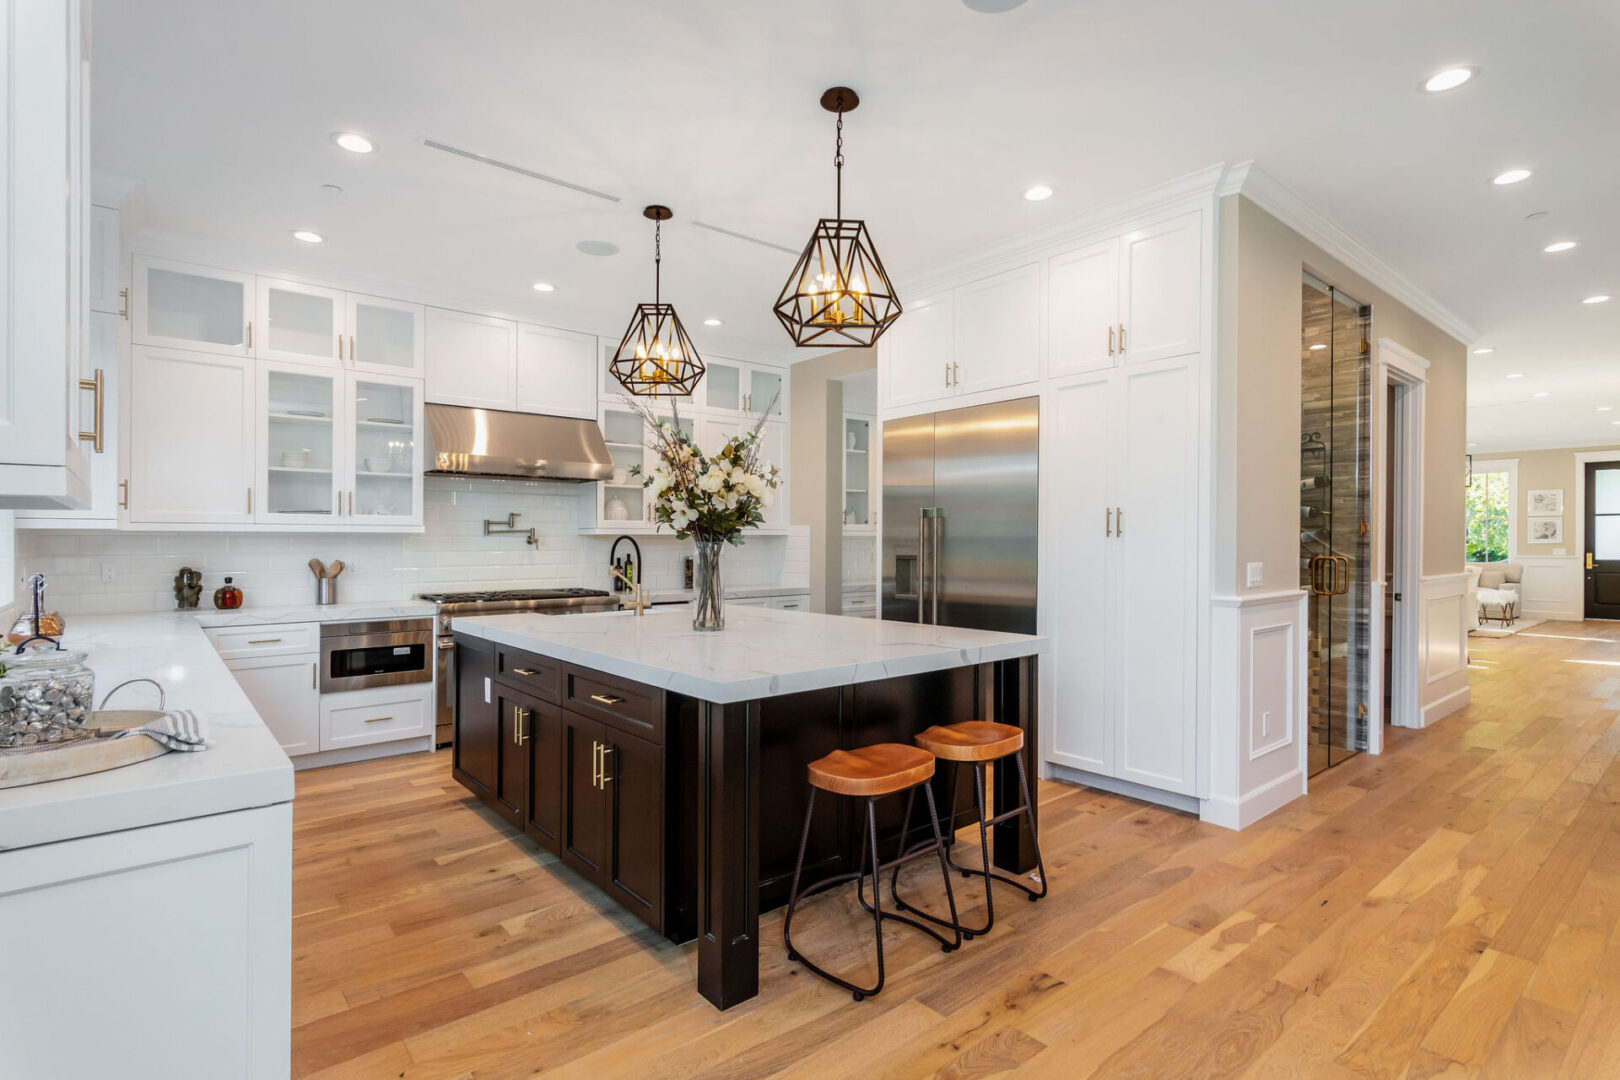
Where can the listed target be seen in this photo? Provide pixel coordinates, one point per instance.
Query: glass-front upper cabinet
(731, 386)
(858, 493)
(622, 501)
(764, 384)
(385, 474)
(302, 323)
(181, 306)
(385, 336)
(722, 386)
(300, 448)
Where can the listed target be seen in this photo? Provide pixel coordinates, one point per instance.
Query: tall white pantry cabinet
(1109, 321)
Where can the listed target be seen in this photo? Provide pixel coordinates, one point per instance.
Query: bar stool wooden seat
(976, 743)
(872, 772)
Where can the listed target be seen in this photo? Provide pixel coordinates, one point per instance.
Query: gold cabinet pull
(250, 335)
(1119, 521)
(1108, 521)
(250, 500)
(351, 348)
(519, 714)
(98, 385)
(123, 312)
(1122, 339)
(947, 373)
(1110, 341)
(956, 373)
(123, 503)
(596, 764)
(606, 750)
(340, 348)
(524, 671)
(264, 641)
(606, 699)
(378, 719)
(314, 672)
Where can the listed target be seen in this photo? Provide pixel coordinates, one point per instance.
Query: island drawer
(619, 703)
(539, 675)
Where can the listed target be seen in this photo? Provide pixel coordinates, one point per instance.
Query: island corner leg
(1014, 698)
(728, 852)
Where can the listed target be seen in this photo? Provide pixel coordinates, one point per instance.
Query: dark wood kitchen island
(667, 766)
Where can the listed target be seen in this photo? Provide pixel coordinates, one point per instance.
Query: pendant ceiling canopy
(655, 358)
(838, 293)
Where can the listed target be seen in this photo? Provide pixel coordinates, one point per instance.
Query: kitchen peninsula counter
(667, 766)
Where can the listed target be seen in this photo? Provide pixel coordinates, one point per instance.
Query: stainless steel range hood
(514, 446)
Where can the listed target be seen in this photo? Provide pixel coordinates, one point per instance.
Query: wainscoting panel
(1272, 719)
(1553, 587)
(1443, 646)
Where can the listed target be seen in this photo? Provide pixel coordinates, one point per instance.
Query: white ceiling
(222, 110)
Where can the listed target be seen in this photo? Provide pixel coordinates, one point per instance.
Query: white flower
(756, 486)
(766, 499)
(713, 480)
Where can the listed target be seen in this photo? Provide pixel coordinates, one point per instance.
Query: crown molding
(1260, 188)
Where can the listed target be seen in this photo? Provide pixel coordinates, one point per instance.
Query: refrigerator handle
(922, 561)
(933, 528)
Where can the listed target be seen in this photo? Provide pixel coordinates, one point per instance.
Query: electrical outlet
(1256, 574)
(109, 572)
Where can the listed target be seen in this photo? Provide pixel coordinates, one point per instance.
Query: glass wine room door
(1335, 545)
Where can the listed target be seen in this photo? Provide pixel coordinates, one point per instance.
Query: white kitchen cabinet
(1124, 633)
(471, 359)
(556, 372)
(1162, 301)
(713, 431)
(622, 503)
(300, 445)
(795, 602)
(731, 386)
(264, 639)
(376, 714)
(917, 352)
(860, 603)
(44, 276)
(1082, 305)
(302, 324)
(191, 437)
(863, 487)
(386, 337)
(107, 293)
(178, 305)
(998, 331)
(285, 692)
(382, 463)
(105, 490)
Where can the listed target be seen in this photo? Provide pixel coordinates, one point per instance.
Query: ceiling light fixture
(1038, 193)
(992, 7)
(712, 322)
(1558, 245)
(353, 142)
(308, 236)
(1449, 79)
(1599, 299)
(1604, 408)
(1539, 393)
(1485, 350)
(1516, 375)
(544, 286)
(1512, 176)
(656, 358)
(838, 292)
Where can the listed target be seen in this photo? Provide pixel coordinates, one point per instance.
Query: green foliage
(1488, 518)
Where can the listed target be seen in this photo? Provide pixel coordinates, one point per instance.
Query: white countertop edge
(322, 613)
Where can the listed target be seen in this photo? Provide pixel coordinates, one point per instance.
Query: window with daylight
(1489, 516)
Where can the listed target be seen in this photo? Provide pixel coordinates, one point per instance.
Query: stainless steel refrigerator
(960, 496)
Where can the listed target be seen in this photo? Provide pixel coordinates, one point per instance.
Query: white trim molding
(1582, 460)
(1271, 196)
(1442, 646)
(1256, 750)
(1405, 371)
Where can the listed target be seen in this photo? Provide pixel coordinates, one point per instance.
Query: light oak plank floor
(1448, 909)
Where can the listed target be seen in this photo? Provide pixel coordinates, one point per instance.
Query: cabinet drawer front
(624, 705)
(270, 639)
(361, 717)
(539, 675)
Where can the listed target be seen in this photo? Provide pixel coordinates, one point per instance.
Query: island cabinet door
(584, 808)
(543, 806)
(511, 788)
(477, 745)
(634, 785)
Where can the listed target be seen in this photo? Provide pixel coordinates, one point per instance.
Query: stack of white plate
(295, 459)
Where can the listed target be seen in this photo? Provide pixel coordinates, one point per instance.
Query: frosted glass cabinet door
(181, 306)
(299, 445)
(386, 460)
(722, 387)
(763, 384)
(301, 323)
(385, 336)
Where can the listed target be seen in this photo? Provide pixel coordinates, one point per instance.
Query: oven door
(358, 661)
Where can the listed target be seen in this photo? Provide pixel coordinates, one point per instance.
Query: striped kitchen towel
(177, 729)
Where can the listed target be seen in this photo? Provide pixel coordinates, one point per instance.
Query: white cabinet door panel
(1082, 290)
(103, 510)
(380, 714)
(1154, 627)
(191, 437)
(471, 360)
(918, 351)
(284, 692)
(105, 261)
(1163, 295)
(385, 336)
(181, 306)
(556, 372)
(998, 331)
(299, 323)
(1076, 607)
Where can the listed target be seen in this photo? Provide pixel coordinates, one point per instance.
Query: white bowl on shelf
(377, 464)
(615, 510)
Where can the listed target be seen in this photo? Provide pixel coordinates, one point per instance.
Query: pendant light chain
(658, 259)
(838, 158)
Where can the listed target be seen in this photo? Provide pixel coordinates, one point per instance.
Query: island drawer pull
(264, 641)
(377, 719)
(524, 671)
(607, 699)
(606, 750)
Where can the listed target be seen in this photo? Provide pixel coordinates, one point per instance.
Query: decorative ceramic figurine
(187, 588)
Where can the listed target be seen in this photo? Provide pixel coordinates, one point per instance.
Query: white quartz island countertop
(760, 653)
(243, 768)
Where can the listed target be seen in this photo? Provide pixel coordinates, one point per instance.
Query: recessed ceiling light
(1599, 299)
(597, 247)
(1604, 408)
(992, 7)
(1512, 176)
(1449, 79)
(1539, 393)
(712, 322)
(1038, 192)
(544, 286)
(1485, 350)
(1517, 375)
(1614, 421)
(1558, 245)
(353, 142)
(1316, 347)
(308, 236)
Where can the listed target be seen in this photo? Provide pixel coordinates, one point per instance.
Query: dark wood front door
(1603, 540)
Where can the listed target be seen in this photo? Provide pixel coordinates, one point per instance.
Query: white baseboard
(1263, 800)
(1116, 786)
(1443, 707)
(350, 754)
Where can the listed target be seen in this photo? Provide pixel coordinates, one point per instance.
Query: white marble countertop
(243, 768)
(760, 653)
(297, 613)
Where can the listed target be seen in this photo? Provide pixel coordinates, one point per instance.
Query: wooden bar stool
(871, 772)
(976, 743)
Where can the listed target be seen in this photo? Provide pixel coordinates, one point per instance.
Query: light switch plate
(1256, 574)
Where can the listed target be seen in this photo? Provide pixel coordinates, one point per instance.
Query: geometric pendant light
(838, 293)
(655, 357)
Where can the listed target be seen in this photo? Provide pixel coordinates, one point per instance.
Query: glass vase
(709, 601)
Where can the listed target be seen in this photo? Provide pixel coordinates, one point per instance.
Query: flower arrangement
(707, 497)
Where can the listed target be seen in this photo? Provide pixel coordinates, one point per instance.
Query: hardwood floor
(1449, 909)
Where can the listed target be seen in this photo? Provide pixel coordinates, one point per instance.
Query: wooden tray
(23, 765)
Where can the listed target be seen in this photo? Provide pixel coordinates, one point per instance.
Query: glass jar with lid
(46, 696)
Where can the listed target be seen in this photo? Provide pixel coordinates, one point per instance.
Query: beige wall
(1543, 470)
(1258, 401)
(816, 460)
